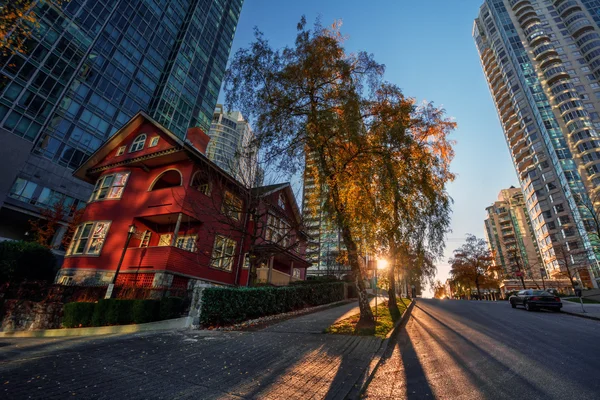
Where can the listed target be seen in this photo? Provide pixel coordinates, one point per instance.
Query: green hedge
(20, 261)
(224, 306)
(121, 312)
(78, 314)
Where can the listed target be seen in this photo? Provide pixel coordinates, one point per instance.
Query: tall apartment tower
(325, 243)
(232, 146)
(510, 236)
(91, 66)
(541, 59)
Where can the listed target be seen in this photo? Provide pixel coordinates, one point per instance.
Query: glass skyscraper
(541, 59)
(232, 147)
(86, 71)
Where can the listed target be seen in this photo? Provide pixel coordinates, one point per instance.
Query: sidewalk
(591, 310)
(319, 321)
(293, 359)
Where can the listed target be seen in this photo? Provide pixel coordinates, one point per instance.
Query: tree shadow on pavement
(443, 335)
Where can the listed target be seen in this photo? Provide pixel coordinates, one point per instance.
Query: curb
(169, 324)
(368, 375)
(580, 315)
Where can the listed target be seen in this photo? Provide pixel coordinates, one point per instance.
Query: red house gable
(190, 217)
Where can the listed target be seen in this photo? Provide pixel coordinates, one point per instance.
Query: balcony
(278, 278)
(569, 5)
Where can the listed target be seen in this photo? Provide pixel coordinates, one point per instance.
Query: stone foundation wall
(22, 315)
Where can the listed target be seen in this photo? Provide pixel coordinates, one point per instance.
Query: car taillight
(535, 298)
(557, 299)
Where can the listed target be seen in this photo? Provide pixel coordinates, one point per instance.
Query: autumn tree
(317, 107)
(51, 219)
(439, 290)
(471, 262)
(572, 263)
(411, 174)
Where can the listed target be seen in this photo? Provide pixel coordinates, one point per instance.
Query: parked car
(535, 299)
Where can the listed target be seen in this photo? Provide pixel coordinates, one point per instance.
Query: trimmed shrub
(21, 261)
(223, 306)
(119, 312)
(171, 307)
(145, 311)
(78, 314)
(99, 318)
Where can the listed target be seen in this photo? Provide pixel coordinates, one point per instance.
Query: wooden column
(176, 232)
(270, 273)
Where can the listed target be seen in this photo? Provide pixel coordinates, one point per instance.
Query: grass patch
(383, 323)
(585, 301)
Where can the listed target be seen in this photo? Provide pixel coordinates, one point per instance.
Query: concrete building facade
(87, 69)
(510, 237)
(541, 59)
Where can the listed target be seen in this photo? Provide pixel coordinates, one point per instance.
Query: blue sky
(429, 52)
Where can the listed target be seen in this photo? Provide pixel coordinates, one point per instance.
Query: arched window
(201, 182)
(170, 178)
(138, 143)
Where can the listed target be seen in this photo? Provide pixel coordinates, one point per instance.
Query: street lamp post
(111, 286)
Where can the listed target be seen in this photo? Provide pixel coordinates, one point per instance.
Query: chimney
(197, 138)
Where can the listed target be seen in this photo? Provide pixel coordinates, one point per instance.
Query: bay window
(89, 238)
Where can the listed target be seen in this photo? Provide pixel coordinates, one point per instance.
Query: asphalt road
(453, 349)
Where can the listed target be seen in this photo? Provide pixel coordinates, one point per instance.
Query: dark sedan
(535, 299)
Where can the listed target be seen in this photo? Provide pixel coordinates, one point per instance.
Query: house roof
(136, 121)
(263, 191)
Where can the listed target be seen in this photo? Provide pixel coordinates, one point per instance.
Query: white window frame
(105, 186)
(232, 206)
(121, 150)
(277, 230)
(138, 143)
(205, 188)
(154, 141)
(87, 245)
(187, 242)
(223, 253)
(145, 241)
(165, 239)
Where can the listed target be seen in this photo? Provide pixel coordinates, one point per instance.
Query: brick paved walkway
(291, 360)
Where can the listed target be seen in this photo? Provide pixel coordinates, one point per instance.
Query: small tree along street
(471, 263)
(374, 156)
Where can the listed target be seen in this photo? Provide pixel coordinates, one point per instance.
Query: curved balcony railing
(587, 48)
(529, 19)
(586, 38)
(544, 50)
(566, 96)
(527, 8)
(555, 73)
(517, 4)
(579, 25)
(568, 5)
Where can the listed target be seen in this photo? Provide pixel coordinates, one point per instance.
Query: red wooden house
(192, 221)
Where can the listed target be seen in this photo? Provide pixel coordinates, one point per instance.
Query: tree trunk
(366, 323)
(392, 302)
(522, 281)
(477, 286)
